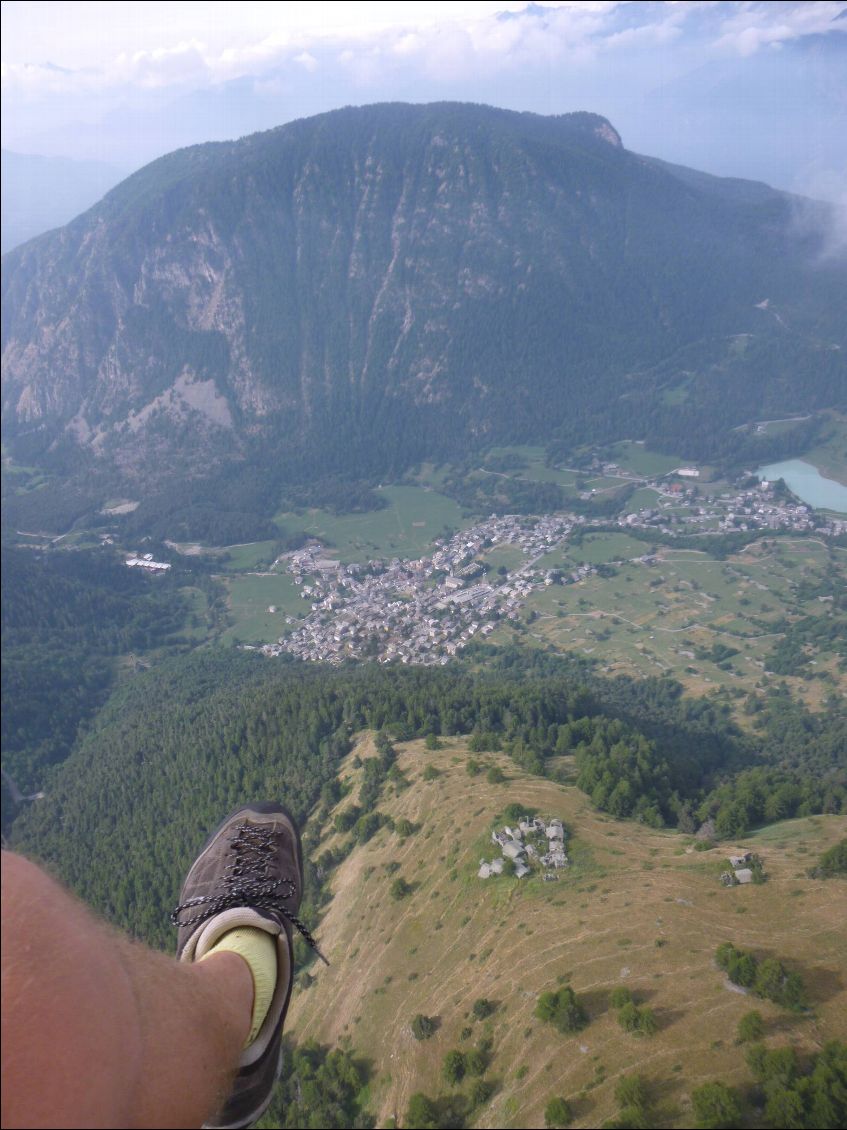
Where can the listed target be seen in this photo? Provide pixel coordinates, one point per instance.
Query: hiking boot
(249, 873)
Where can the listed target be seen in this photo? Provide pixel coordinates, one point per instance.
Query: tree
(751, 1027)
(475, 1062)
(482, 1007)
(422, 1113)
(431, 742)
(832, 862)
(480, 1092)
(495, 775)
(454, 1067)
(642, 1021)
(423, 1026)
(400, 889)
(620, 996)
(630, 1118)
(716, 1106)
(631, 1091)
(647, 1023)
(367, 826)
(784, 1109)
(773, 1065)
(769, 978)
(562, 1009)
(514, 811)
(557, 1113)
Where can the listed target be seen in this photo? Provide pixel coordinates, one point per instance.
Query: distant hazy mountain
(41, 193)
(354, 291)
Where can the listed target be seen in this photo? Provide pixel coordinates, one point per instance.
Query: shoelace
(247, 882)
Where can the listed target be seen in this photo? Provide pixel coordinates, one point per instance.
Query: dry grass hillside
(637, 907)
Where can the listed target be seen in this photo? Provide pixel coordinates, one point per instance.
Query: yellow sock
(258, 948)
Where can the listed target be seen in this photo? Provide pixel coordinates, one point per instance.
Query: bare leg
(99, 1031)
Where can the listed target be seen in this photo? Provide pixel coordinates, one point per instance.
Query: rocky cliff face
(412, 278)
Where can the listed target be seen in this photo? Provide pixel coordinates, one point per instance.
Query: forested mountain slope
(351, 292)
(176, 747)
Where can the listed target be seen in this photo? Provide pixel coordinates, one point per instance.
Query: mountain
(350, 293)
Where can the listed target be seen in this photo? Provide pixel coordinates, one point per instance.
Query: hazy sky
(745, 88)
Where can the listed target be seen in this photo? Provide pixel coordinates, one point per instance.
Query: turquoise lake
(808, 484)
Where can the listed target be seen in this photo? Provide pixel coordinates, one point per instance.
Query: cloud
(307, 61)
(827, 223)
(754, 26)
(462, 47)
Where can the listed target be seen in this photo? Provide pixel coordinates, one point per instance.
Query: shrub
(557, 1113)
(495, 776)
(430, 773)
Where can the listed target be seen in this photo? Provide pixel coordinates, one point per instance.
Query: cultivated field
(650, 619)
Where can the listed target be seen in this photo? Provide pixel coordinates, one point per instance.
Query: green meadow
(251, 597)
(635, 457)
(406, 527)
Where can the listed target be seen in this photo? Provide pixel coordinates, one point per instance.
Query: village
(419, 611)
(425, 610)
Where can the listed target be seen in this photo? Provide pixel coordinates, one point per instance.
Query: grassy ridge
(636, 908)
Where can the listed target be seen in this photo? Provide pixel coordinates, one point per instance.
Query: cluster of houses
(147, 562)
(741, 870)
(532, 840)
(756, 508)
